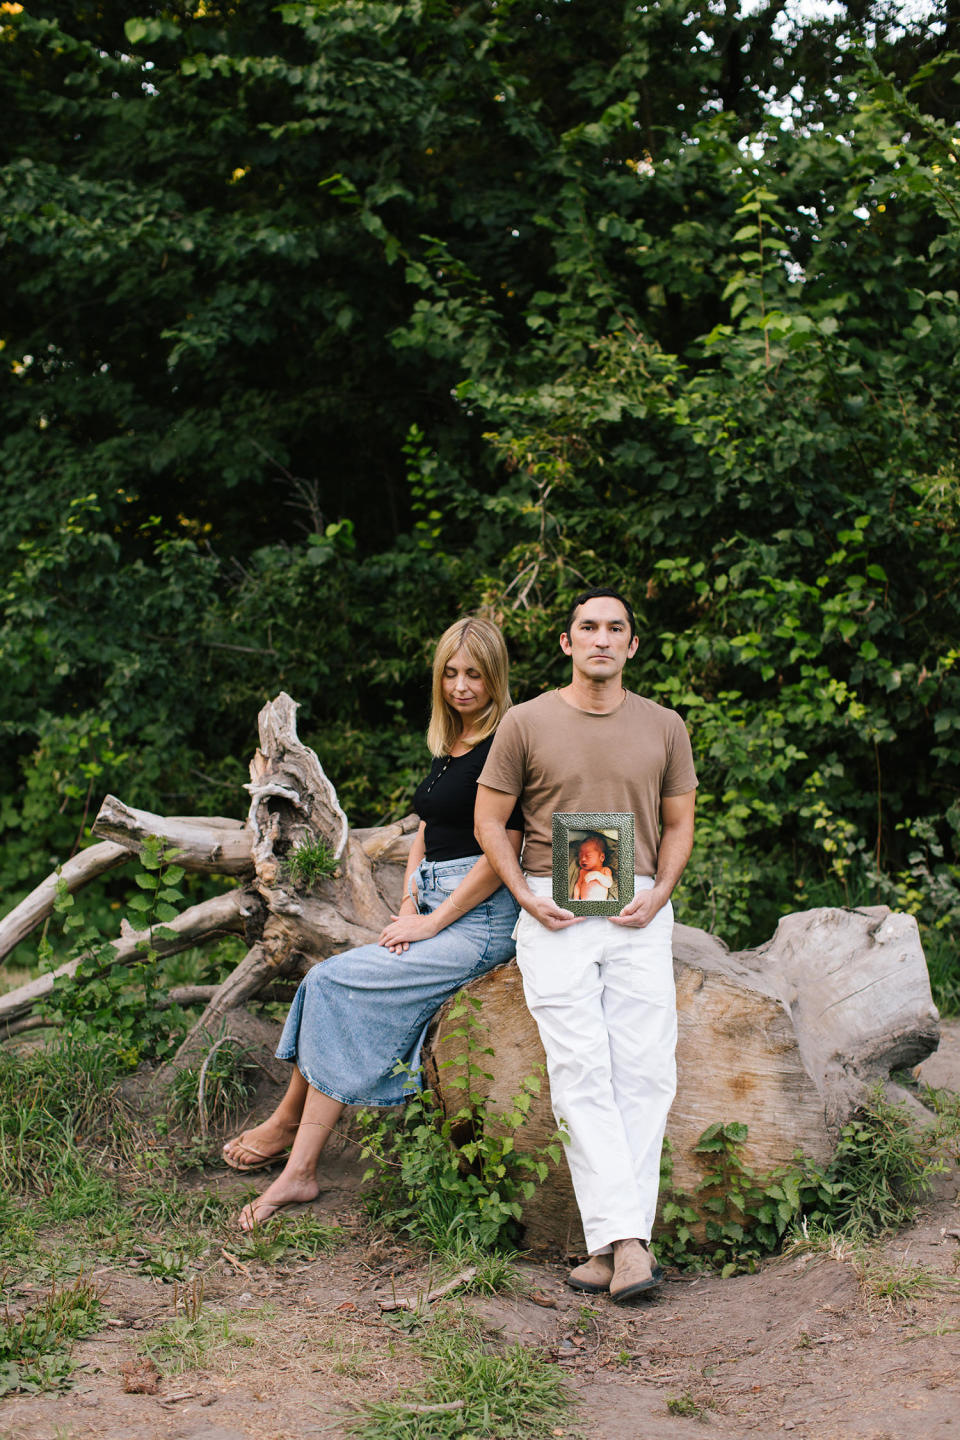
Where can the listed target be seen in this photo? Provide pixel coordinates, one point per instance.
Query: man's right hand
(546, 910)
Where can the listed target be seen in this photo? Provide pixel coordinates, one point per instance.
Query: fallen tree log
(212, 844)
(788, 1039)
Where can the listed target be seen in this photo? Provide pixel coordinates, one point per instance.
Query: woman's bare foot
(285, 1190)
(264, 1145)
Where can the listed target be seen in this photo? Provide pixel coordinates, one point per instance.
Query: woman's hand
(405, 929)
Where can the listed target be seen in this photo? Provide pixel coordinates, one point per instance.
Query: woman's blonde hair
(485, 645)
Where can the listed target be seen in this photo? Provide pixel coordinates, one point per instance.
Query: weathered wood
(214, 846)
(291, 799)
(75, 872)
(777, 1038)
(224, 914)
(292, 803)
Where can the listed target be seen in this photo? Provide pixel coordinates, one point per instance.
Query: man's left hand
(639, 911)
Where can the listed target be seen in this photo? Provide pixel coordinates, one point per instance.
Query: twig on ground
(415, 1303)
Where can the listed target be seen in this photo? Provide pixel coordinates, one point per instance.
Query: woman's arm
(477, 885)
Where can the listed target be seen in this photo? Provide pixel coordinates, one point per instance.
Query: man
(600, 988)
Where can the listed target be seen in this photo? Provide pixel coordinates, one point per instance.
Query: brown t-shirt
(558, 758)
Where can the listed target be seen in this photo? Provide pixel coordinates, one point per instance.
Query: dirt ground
(803, 1347)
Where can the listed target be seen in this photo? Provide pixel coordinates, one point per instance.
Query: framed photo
(592, 861)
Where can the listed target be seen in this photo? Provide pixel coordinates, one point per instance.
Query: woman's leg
(273, 1135)
(297, 1181)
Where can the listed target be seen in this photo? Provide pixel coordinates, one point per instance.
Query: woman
(359, 1014)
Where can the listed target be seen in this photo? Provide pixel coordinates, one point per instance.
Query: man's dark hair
(586, 595)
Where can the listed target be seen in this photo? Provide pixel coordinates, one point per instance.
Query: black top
(445, 800)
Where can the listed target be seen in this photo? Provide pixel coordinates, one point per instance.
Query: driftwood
(287, 927)
(787, 1038)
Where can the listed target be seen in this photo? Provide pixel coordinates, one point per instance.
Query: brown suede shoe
(634, 1271)
(593, 1276)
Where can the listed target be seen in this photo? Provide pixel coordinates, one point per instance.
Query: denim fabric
(358, 1014)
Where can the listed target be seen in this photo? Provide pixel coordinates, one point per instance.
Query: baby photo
(593, 865)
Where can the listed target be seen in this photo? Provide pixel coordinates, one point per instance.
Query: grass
(687, 1406)
(303, 1237)
(190, 1340)
(897, 1284)
(471, 1390)
(217, 1092)
(312, 860)
(56, 1106)
(35, 1342)
(495, 1274)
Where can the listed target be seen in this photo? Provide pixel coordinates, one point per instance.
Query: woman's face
(464, 688)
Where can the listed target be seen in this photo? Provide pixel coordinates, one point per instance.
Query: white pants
(605, 1004)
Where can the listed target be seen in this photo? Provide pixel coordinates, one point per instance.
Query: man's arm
(493, 810)
(676, 843)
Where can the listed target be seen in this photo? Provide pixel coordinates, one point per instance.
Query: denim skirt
(360, 1014)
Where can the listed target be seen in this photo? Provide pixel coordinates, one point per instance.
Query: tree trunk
(788, 1039)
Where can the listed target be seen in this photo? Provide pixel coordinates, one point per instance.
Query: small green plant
(881, 1166)
(112, 1005)
(35, 1344)
(472, 1391)
(443, 1177)
(303, 1235)
(164, 1262)
(310, 861)
(685, 1405)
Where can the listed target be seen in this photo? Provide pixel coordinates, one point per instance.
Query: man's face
(598, 641)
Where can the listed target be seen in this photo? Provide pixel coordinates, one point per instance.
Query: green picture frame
(581, 878)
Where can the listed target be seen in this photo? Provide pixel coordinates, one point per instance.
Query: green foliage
(456, 1177)
(568, 301)
(35, 1342)
(882, 1166)
(112, 1003)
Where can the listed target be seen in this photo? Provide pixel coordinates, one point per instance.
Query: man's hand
(549, 913)
(639, 911)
